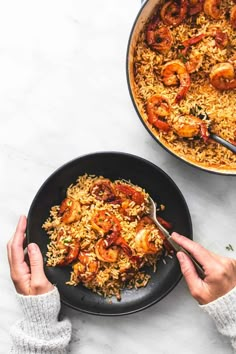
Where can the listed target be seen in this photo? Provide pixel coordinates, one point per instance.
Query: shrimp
(191, 41)
(127, 192)
(146, 234)
(173, 73)
(194, 63)
(195, 6)
(87, 267)
(105, 254)
(221, 38)
(147, 223)
(103, 190)
(158, 106)
(103, 221)
(67, 246)
(233, 17)
(222, 76)
(212, 8)
(115, 239)
(173, 13)
(159, 39)
(189, 126)
(70, 211)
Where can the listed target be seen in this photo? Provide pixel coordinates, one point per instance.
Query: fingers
(38, 277)
(15, 245)
(189, 272)
(200, 253)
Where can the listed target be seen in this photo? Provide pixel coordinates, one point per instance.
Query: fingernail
(32, 248)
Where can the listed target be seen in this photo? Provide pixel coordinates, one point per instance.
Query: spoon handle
(223, 142)
(197, 265)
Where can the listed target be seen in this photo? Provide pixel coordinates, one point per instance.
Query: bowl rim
(151, 164)
(189, 163)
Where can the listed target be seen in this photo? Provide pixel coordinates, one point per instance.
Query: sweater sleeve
(40, 331)
(223, 312)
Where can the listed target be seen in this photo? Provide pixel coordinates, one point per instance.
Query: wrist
(40, 308)
(223, 310)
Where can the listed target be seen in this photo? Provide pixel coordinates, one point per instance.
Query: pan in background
(142, 18)
(113, 165)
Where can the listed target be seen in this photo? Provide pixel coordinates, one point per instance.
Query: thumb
(189, 272)
(36, 262)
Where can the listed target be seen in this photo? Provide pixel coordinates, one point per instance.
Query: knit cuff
(40, 308)
(223, 312)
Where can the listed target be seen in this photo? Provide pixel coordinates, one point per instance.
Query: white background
(63, 93)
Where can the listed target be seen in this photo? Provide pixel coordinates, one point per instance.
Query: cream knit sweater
(40, 331)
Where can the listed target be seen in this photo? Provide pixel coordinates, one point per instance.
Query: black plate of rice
(112, 165)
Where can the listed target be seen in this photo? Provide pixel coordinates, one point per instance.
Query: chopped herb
(198, 112)
(180, 47)
(229, 247)
(183, 58)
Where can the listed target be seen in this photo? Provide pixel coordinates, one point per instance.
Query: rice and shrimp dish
(102, 232)
(185, 79)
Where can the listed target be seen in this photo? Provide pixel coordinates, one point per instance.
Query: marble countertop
(63, 93)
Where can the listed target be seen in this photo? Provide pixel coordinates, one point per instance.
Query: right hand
(28, 280)
(220, 271)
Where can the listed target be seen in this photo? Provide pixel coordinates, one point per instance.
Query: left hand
(28, 279)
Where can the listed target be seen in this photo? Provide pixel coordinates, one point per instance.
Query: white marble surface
(63, 93)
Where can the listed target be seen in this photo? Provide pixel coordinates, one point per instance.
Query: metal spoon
(175, 246)
(223, 142)
(200, 113)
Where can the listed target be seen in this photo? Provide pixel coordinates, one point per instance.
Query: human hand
(220, 271)
(28, 279)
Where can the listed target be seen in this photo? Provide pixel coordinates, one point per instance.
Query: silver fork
(175, 246)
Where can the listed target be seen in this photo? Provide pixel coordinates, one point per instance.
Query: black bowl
(113, 165)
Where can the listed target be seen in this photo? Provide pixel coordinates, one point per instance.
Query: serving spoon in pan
(223, 142)
(198, 112)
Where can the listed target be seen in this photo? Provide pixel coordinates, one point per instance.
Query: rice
(95, 217)
(219, 105)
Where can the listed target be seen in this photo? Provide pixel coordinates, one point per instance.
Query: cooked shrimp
(173, 73)
(173, 12)
(195, 6)
(189, 126)
(68, 246)
(116, 239)
(145, 240)
(191, 41)
(212, 8)
(105, 254)
(103, 190)
(87, 267)
(147, 223)
(159, 39)
(70, 211)
(221, 38)
(233, 17)
(158, 106)
(127, 192)
(103, 221)
(194, 63)
(222, 76)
